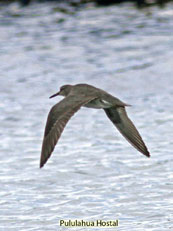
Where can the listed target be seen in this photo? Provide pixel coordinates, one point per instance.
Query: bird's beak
(54, 95)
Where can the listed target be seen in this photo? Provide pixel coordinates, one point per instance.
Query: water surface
(93, 173)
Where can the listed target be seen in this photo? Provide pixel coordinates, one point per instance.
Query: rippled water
(93, 173)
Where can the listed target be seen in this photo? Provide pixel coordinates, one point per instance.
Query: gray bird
(86, 95)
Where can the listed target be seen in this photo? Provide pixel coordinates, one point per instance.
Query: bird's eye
(63, 88)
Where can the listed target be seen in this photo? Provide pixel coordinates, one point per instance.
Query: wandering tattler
(86, 95)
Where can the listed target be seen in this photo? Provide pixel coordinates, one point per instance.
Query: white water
(93, 173)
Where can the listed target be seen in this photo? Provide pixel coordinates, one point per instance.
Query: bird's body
(84, 95)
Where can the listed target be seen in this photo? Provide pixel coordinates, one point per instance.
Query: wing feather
(57, 119)
(119, 118)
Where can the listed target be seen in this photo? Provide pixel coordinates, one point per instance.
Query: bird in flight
(89, 96)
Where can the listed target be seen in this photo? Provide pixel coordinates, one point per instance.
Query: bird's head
(64, 91)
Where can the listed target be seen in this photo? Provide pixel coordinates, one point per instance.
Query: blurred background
(125, 49)
(139, 3)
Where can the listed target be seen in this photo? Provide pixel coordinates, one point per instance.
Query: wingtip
(41, 165)
(147, 154)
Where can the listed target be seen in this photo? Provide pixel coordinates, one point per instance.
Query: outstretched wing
(57, 119)
(119, 118)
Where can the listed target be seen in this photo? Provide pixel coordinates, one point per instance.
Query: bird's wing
(119, 118)
(57, 119)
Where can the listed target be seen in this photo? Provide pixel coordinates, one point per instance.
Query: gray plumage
(88, 96)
